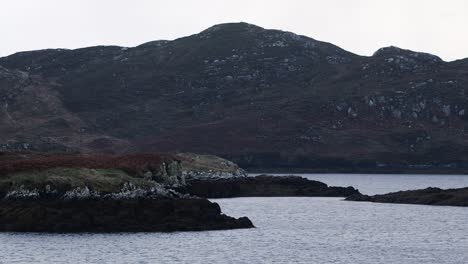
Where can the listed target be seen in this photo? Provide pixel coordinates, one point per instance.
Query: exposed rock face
(101, 173)
(429, 196)
(262, 98)
(264, 185)
(135, 215)
(195, 166)
(169, 173)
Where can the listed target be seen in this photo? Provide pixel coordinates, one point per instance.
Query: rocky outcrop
(203, 167)
(168, 173)
(128, 215)
(264, 185)
(74, 193)
(429, 196)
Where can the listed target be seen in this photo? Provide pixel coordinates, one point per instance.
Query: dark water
(289, 230)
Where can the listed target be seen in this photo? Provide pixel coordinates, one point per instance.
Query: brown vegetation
(135, 163)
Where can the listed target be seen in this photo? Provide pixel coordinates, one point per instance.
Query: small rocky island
(428, 196)
(90, 193)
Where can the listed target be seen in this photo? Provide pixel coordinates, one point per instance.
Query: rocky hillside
(263, 98)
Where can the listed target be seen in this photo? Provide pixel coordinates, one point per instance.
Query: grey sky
(359, 26)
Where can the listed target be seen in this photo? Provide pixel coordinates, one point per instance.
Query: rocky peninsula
(428, 196)
(96, 193)
(214, 177)
(43, 192)
(264, 186)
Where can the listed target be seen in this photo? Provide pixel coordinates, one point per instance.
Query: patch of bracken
(135, 164)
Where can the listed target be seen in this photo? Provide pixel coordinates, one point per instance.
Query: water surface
(289, 230)
(384, 183)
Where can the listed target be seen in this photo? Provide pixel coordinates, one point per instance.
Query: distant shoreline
(431, 171)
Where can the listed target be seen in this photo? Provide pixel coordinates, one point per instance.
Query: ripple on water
(289, 230)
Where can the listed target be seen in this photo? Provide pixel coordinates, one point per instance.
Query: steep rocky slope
(263, 98)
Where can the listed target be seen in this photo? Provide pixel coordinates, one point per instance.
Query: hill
(262, 98)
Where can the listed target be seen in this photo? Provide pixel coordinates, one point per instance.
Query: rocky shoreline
(263, 186)
(415, 169)
(96, 215)
(153, 192)
(428, 196)
(86, 193)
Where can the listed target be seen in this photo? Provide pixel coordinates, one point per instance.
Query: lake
(289, 230)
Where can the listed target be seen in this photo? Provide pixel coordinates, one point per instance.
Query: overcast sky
(360, 26)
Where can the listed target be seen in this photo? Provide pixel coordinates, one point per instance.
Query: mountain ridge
(264, 98)
(165, 41)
